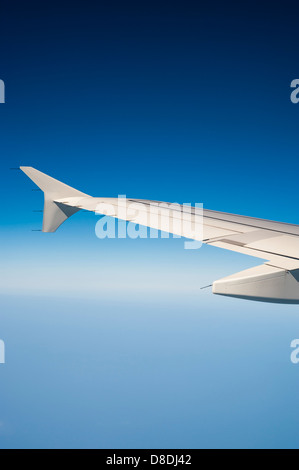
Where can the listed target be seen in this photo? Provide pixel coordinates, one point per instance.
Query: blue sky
(111, 343)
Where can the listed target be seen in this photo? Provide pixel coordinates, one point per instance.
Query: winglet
(55, 213)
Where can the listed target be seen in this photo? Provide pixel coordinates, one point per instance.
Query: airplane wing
(277, 280)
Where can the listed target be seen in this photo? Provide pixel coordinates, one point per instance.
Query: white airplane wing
(277, 280)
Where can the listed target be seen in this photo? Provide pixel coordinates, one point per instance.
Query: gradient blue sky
(110, 343)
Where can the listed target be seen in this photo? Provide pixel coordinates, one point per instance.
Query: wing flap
(264, 283)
